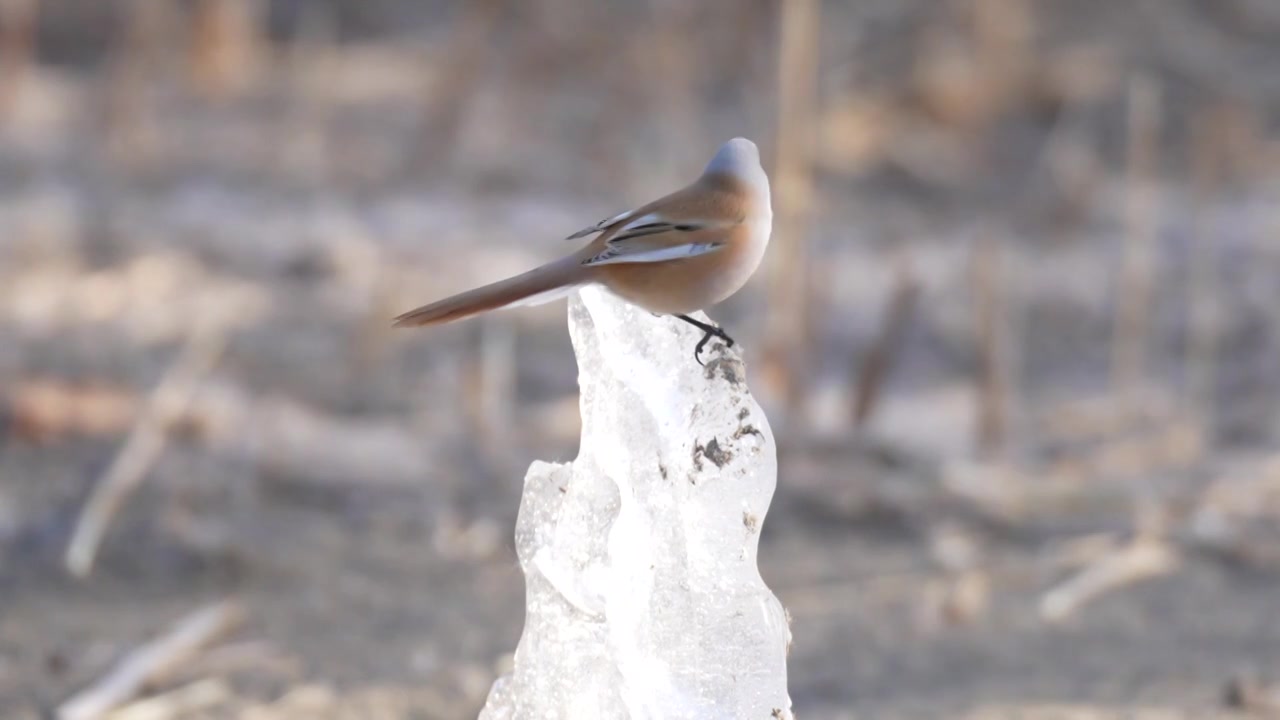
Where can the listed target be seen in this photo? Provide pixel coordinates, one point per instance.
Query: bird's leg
(709, 331)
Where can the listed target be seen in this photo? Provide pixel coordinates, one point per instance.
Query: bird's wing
(654, 238)
(687, 223)
(687, 204)
(601, 226)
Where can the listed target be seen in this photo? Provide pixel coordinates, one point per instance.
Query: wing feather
(601, 226)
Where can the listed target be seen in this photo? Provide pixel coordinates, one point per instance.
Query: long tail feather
(541, 284)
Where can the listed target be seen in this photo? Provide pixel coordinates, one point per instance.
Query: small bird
(678, 254)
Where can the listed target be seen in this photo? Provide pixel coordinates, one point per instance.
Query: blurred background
(1018, 334)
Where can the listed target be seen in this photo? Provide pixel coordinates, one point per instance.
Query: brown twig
(1097, 418)
(153, 661)
(1202, 303)
(18, 20)
(224, 46)
(994, 349)
(1142, 559)
(1129, 343)
(788, 323)
(490, 380)
(196, 697)
(497, 376)
(146, 441)
(43, 409)
(141, 52)
(257, 657)
(304, 125)
(954, 600)
(879, 359)
(1003, 37)
(1252, 695)
(453, 84)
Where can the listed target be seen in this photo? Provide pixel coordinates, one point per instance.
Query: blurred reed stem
(497, 378)
(1206, 145)
(788, 330)
(1003, 32)
(877, 363)
(995, 351)
(304, 142)
(224, 56)
(489, 387)
(453, 82)
(130, 134)
(1273, 225)
(1138, 268)
(670, 94)
(18, 21)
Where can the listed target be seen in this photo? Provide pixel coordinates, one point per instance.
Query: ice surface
(643, 595)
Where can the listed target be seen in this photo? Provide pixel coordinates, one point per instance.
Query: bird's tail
(542, 284)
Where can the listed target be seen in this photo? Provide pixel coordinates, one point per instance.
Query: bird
(676, 255)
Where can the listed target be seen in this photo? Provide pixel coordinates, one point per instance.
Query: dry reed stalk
(967, 79)
(1085, 478)
(302, 126)
(1092, 418)
(360, 267)
(954, 600)
(45, 409)
(154, 661)
(18, 19)
(170, 399)
(1082, 551)
(1166, 446)
(1242, 143)
(660, 68)
(1253, 695)
(452, 84)
(1235, 516)
(1245, 158)
(259, 657)
(878, 361)
(962, 593)
(995, 360)
(788, 337)
(1003, 33)
(143, 51)
(497, 380)
(1137, 274)
(284, 438)
(606, 149)
(373, 333)
(1274, 227)
(742, 60)
(125, 130)
(1142, 559)
(1202, 304)
(191, 699)
(672, 90)
(224, 54)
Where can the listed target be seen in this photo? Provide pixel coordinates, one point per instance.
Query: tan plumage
(680, 253)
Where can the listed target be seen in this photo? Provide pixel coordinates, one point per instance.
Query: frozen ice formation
(643, 596)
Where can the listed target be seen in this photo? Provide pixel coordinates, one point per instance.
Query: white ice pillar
(643, 596)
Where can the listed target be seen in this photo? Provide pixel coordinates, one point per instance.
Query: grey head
(739, 157)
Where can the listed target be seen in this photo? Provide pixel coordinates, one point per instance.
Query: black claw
(697, 350)
(709, 331)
